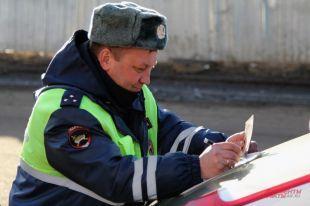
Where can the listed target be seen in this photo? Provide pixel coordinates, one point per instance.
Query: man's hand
(253, 147)
(218, 158)
(239, 139)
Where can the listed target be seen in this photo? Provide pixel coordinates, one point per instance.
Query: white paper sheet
(248, 129)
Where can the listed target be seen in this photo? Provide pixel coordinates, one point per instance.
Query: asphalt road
(274, 123)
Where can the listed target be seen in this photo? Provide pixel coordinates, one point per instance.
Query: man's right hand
(218, 158)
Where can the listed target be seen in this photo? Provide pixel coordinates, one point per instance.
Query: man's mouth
(137, 87)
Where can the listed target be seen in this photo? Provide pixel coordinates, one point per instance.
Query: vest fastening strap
(64, 182)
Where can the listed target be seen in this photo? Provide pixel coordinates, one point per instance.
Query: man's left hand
(253, 147)
(239, 139)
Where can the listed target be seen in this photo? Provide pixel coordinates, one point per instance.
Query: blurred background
(225, 60)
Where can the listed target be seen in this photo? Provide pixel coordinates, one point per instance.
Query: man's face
(131, 69)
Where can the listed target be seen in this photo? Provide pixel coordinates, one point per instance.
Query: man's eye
(139, 70)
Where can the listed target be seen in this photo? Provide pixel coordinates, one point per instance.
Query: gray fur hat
(127, 24)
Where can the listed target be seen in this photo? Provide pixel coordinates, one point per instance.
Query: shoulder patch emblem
(79, 137)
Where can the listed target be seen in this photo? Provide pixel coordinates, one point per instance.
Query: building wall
(205, 30)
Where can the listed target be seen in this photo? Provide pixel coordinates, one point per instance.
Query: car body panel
(280, 171)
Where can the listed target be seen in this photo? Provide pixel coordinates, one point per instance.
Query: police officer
(96, 135)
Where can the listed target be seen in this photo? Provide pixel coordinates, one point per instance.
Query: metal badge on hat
(161, 31)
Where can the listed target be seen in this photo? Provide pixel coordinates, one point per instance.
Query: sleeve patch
(79, 137)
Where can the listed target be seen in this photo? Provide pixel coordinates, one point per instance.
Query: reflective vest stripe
(137, 180)
(187, 134)
(151, 177)
(64, 182)
(189, 139)
(181, 137)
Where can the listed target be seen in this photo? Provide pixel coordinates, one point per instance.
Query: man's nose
(146, 77)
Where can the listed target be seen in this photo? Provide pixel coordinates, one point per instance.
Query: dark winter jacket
(101, 168)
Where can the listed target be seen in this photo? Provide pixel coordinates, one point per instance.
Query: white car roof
(278, 165)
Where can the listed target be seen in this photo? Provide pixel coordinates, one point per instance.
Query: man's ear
(104, 58)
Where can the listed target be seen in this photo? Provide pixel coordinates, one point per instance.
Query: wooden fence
(203, 30)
